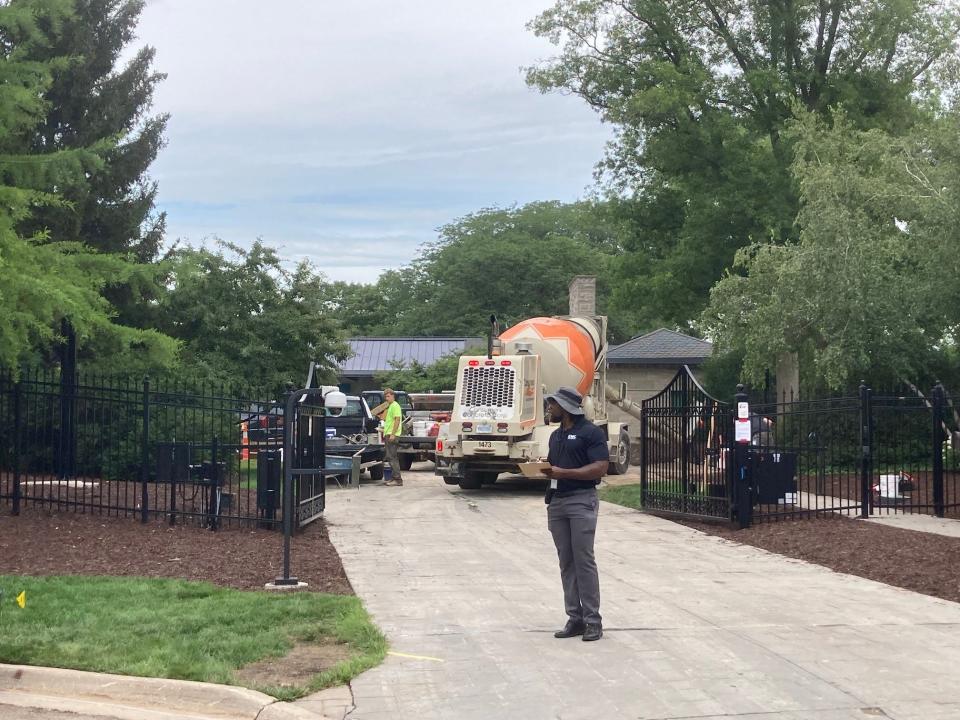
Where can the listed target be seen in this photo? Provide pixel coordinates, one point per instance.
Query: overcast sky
(347, 132)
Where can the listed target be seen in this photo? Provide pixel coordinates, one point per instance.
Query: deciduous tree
(871, 288)
(513, 263)
(699, 94)
(242, 316)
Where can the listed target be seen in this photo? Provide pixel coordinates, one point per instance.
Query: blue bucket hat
(569, 399)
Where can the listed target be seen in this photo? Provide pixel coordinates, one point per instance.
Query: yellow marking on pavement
(415, 657)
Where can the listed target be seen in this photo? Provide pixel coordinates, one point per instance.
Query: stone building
(647, 363)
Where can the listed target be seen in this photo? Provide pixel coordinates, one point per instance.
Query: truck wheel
(489, 478)
(471, 480)
(451, 480)
(376, 472)
(405, 461)
(622, 463)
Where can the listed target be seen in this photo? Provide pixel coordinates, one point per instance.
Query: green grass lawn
(177, 629)
(248, 473)
(626, 495)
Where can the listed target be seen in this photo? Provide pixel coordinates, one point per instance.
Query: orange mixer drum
(567, 349)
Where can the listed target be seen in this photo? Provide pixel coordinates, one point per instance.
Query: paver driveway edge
(120, 695)
(465, 587)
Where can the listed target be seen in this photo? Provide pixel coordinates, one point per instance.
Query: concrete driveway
(466, 586)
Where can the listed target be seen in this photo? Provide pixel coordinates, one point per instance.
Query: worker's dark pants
(391, 448)
(572, 520)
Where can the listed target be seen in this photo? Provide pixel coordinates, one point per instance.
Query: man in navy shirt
(578, 459)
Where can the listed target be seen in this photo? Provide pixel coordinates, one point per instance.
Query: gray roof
(373, 354)
(661, 347)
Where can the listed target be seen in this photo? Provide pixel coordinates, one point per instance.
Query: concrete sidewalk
(467, 589)
(120, 697)
(918, 522)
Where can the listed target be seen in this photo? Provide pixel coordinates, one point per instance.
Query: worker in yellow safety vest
(392, 421)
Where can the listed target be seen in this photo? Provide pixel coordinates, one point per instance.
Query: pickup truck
(353, 430)
(422, 414)
(374, 398)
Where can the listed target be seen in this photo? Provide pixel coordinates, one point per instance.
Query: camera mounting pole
(334, 400)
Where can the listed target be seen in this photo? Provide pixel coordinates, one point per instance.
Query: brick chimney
(583, 296)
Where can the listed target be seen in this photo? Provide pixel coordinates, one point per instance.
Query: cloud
(347, 133)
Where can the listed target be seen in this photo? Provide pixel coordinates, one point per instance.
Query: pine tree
(91, 99)
(45, 279)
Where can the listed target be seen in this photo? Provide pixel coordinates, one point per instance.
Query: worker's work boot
(571, 629)
(592, 632)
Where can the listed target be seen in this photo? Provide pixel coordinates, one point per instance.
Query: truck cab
(354, 420)
(498, 419)
(353, 431)
(375, 398)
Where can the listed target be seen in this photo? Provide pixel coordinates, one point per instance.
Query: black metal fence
(805, 458)
(144, 448)
(873, 453)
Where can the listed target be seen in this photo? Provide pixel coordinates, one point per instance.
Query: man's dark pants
(393, 458)
(572, 520)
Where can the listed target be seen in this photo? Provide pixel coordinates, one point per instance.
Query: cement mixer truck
(498, 419)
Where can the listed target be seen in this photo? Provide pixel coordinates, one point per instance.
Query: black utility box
(775, 477)
(269, 468)
(173, 462)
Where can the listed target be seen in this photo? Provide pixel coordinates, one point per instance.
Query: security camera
(335, 401)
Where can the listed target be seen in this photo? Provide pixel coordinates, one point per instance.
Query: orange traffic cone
(244, 442)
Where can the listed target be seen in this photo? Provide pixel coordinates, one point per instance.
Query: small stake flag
(22, 598)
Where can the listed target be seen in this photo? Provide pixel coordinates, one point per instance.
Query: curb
(130, 698)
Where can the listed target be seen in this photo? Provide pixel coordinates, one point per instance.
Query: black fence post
(67, 446)
(17, 430)
(644, 419)
(172, 498)
(939, 400)
(289, 463)
(866, 449)
(742, 479)
(685, 455)
(145, 451)
(214, 504)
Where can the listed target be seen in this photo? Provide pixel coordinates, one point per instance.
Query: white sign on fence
(889, 486)
(742, 428)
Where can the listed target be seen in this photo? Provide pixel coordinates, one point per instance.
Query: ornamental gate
(685, 466)
(305, 457)
(857, 455)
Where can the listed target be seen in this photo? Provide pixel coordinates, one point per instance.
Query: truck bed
(422, 442)
(368, 453)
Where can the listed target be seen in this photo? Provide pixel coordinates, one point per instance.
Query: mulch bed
(101, 495)
(38, 542)
(42, 543)
(919, 561)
